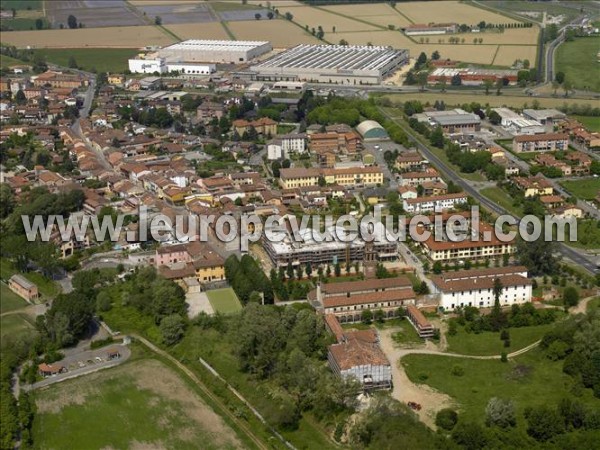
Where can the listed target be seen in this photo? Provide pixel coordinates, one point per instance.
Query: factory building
(229, 52)
(340, 64)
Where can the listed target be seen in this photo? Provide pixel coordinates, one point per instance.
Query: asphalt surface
(588, 262)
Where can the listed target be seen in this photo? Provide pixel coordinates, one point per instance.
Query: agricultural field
(9, 301)
(529, 380)
(511, 101)
(534, 10)
(103, 59)
(451, 11)
(507, 54)
(140, 404)
(583, 189)
(116, 37)
(224, 301)
(281, 33)
(211, 30)
(577, 59)
(381, 14)
(7, 61)
(179, 13)
(591, 123)
(98, 13)
(314, 17)
(22, 4)
(516, 36)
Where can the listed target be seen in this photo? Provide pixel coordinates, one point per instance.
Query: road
(586, 261)
(552, 46)
(378, 154)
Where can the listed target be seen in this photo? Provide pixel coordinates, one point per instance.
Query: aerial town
(462, 140)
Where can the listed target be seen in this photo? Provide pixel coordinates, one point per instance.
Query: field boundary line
(228, 30)
(495, 54)
(356, 19)
(395, 8)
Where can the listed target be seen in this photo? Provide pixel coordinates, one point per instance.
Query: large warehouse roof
(369, 129)
(209, 45)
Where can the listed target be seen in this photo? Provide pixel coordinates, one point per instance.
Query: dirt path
(581, 307)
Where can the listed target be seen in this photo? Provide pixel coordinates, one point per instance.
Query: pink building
(171, 254)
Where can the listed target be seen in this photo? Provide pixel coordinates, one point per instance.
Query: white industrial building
(228, 52)
(147, 65)
(476, 287)
(192, 68)
(341, 64)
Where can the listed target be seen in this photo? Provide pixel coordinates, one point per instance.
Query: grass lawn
(530, 379)
(577, 59)
(21, 24)
(224, 300)
(102, 59)
(489, 343)
(502, 198)
(588, 235)
(7, 61)
(593, 304)
(591, 123)
(583, 189)
(407, 334)
(140, 404)
(14, 326)
(21, 4)
(9, 301)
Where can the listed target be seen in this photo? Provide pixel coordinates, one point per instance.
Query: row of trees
(248, 280)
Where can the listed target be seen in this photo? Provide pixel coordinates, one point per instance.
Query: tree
(470, 435)
(270, 15)
(422, 79)
(72, 21)
(543, 422)
(366, 316)
(537, 256)
(499, 85)
(158, 20)
(72, 62)
(275, 168)
(570, 297)
(437, 137)
(172, 328)
(343, 42)
(456, 80)
(567, 86)
(500, 413)
(379, 315)
(422, 59)
(435, 55)
(39, 24)
(494, 117)
(289, 16)
(437, 267)
(559, 77)
(488, 83)
(337, 269)
(446, 419)
(497, 317)
(257, 16)
(20, 98)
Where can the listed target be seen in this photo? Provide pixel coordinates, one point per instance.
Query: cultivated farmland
(140, 404)
(119, 37)
(426, 12)
(381, 14)
(578, 60)
(281, 33)
(102, 59)
(212, 30)
(98, 13)
(313, 17)
(507, 54)
(179, 13)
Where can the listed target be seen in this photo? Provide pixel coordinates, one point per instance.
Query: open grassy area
(583, 189)
(9, 301)
(7, 61)
(591, 123)
(141, 404)
(14, 326)
(21, 4)
(489, 343)
(102, 59)
(232, 6)
(502, 198)
(224, 301)
(530, 379)
(577, 59)
(21, 23)
(406, 334)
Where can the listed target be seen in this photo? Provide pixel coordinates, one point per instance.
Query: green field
(7, 61)
(141, 404)
(20, 24)
(489, 343)
(21, 4)
(530, 379)
(591, 123)
(102, 59)
(577, 59)
(9, 301)
(232, 6)
(14, 326)
(587, 189)
(502, 198)
(224, 301)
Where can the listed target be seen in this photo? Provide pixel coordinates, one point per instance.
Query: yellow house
(116, 78)
(210, 267)
(533, 186)
(175, 195)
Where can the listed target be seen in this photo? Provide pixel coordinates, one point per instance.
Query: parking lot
(85, 362)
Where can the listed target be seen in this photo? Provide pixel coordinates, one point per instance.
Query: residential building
(23, 287)
(210, 110)
(546, 142)
(264, 126)
(434, 203)
(301, 177)
(419, 322)
(476, 287)
(533, 186)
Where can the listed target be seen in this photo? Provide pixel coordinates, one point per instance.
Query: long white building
(475, 287)
(342, 64)
(229, 52)
(434, 203)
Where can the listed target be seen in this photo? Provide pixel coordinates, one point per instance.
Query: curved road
(468, 187)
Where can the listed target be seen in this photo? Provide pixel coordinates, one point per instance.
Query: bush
(457, 371)
(557, 350)
(503, 357)
(101, 342)
(446, 419)
(422, 376)
(501, 413)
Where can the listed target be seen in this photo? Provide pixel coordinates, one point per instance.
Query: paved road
(378, 154)
(586, 261)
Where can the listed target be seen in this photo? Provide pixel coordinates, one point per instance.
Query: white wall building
(293, 143)
(192, 68)
(151, 65)
(215, 51)
(475, 287)
(434, 203)
(275, 150)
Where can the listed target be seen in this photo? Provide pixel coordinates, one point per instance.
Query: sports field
(140, 404)
(102, 59)
(578, 60)
(224, 301)
(9, 301)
